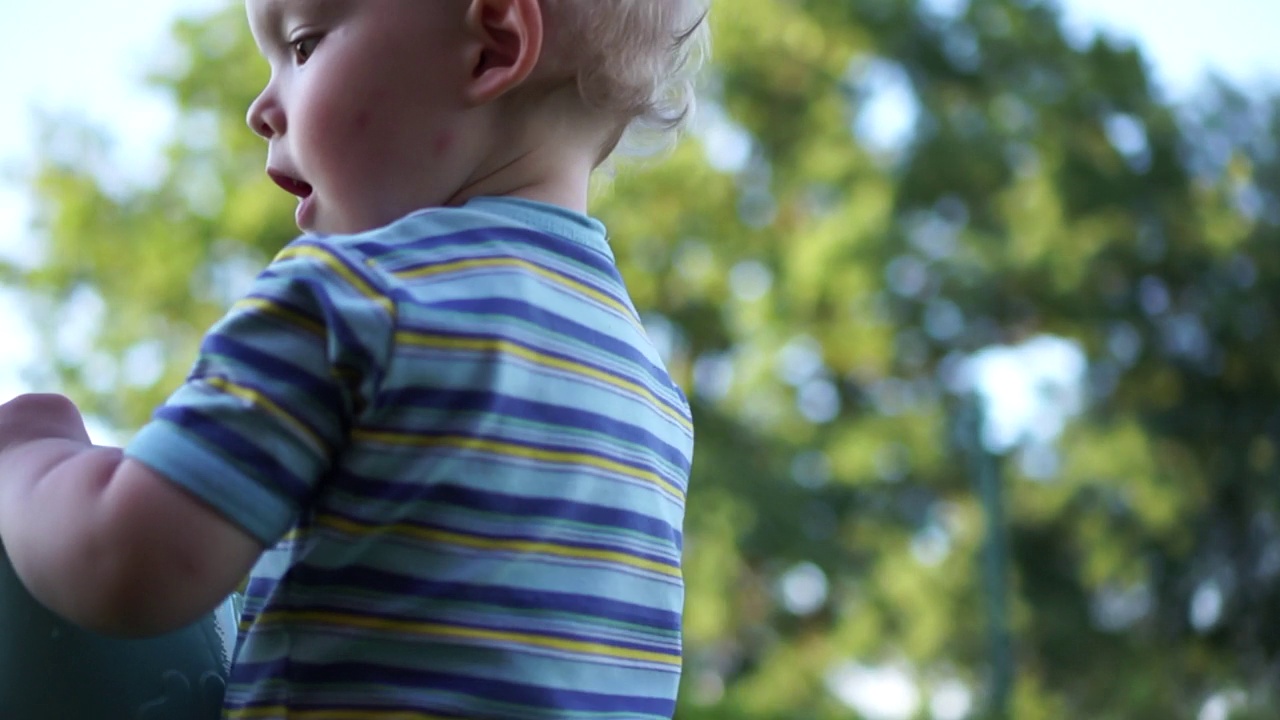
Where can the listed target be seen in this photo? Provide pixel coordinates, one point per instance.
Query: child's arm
(103, 540)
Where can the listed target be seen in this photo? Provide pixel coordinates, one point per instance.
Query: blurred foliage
(823, 284)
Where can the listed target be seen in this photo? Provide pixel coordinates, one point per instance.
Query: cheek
(359, 116)
(344, 106)
(351, 132)
(362, 122)
(370, 121)
(326, 122)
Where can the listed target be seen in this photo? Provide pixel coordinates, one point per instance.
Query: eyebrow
(275, 13)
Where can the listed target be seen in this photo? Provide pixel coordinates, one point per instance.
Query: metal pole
(987, 476)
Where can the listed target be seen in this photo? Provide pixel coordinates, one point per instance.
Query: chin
(317, 222)
(321, 226)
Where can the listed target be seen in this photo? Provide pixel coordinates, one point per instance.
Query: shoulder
(372, 273)
(324, 275)
(326, 260)
(316, 299)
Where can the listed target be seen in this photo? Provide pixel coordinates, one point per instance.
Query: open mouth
(291, 185)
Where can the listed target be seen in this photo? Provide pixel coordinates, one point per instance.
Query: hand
(40, 417)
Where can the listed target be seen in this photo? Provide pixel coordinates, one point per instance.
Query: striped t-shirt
(470, 465)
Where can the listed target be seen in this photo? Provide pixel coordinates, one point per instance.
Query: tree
(820, 285)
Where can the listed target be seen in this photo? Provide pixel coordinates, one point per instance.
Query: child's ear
(507, 37)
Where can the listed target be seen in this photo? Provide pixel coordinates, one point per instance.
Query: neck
(543, 174)
(544, 150)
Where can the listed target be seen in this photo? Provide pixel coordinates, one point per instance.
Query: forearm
(56, 525)
(102, 540)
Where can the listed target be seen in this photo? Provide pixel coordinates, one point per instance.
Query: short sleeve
(277, 385)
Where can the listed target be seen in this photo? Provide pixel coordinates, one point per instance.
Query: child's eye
(303, 47)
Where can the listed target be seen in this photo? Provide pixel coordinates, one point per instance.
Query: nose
(265, 116)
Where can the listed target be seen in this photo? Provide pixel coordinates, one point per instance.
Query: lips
(290, 184)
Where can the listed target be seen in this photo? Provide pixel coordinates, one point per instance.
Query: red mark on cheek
(363, 120)
(443, 142)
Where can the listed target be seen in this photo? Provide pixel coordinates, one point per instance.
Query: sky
(1185, 38)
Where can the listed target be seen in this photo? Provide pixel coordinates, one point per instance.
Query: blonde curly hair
(634, 59)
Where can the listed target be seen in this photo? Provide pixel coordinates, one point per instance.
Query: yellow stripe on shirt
(476, 542)
(339, 267)
(511, 449)
(318, 445)
(507, 347)
(504, 262)
(275, 712)
(446, 631)
(270, 307)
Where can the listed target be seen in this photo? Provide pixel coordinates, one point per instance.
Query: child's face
(364, 111)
